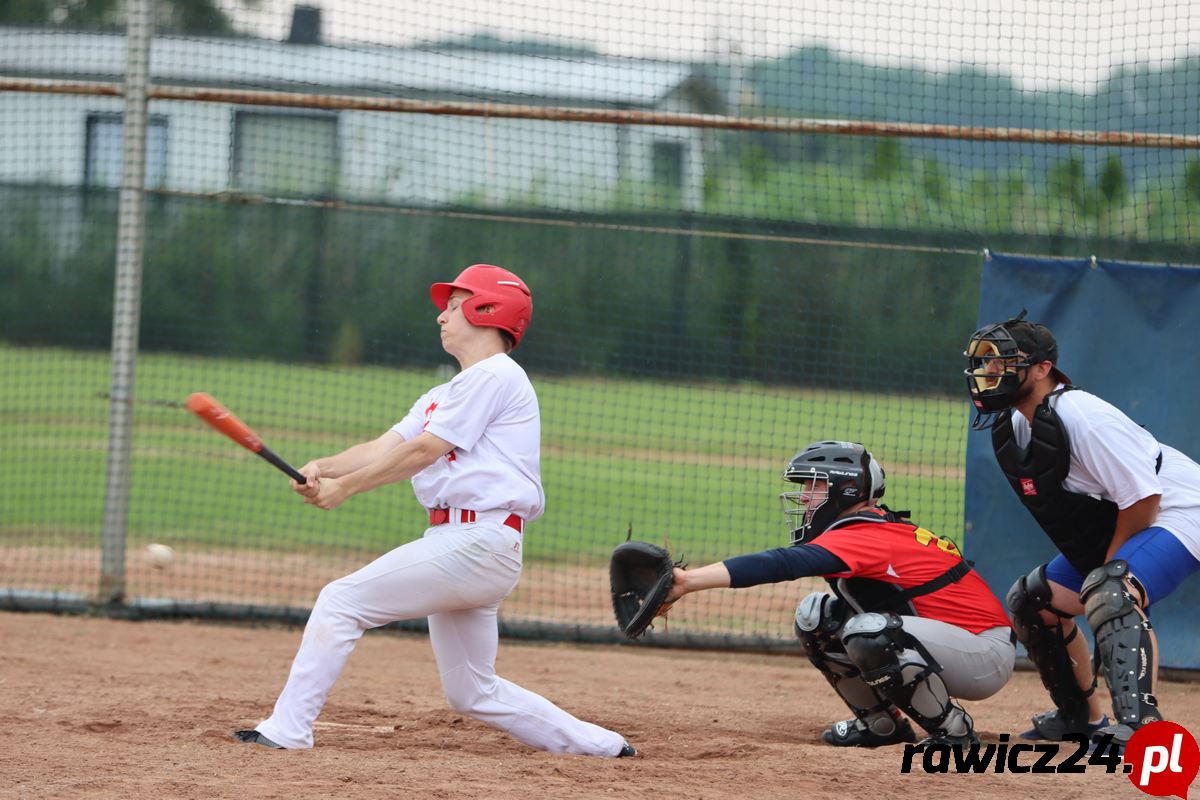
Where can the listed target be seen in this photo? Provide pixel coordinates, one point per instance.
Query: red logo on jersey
(1027, 487)
(429, 413)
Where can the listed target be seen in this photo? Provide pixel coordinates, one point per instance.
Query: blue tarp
(1126, 332)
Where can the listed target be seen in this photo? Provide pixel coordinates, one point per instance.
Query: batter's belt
(465, 516)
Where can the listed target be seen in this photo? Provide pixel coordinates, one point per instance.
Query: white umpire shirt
(489, 412)
(1113, 458)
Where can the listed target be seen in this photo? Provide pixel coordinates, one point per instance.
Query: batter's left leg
(464, 643)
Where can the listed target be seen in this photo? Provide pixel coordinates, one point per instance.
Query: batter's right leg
(464, 643)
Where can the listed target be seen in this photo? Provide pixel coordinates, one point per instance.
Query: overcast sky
(1040, 43)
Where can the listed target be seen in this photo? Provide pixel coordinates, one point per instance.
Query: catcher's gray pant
(974, 665)
(457, 574)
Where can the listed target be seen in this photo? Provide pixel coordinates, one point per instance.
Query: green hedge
(325, 285)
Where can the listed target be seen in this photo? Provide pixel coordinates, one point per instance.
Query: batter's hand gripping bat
(204, 406)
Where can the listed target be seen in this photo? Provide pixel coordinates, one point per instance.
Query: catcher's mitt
(641, 575)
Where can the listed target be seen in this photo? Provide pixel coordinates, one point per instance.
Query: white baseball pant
(456, 575)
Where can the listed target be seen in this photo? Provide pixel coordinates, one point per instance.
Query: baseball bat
(206, 407)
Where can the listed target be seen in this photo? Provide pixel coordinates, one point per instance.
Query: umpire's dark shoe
(627, 751)
(855, 733)
(1051, 727)
(254, 737)
(1110, 739)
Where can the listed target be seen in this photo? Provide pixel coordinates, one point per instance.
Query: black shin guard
(1124, 644)
(818, 624)
(1047, 647)
(873, 643)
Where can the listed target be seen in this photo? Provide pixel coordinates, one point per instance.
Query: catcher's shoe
(960, 722)
(627, 751)
(855, 733)
(1051, 727)
(254, 737)
(943, 738)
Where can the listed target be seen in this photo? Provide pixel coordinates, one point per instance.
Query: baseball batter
(909, 626)
(471, 448)
(1122, 508)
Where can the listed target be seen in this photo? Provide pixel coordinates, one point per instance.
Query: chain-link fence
(746, 228)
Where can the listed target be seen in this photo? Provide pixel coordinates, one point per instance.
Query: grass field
(698, 463)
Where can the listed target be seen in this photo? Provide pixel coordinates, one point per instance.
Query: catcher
(909, 626)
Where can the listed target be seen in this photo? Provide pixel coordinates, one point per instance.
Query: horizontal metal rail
(342, 102)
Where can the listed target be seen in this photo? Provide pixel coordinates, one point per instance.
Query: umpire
(1122, 508)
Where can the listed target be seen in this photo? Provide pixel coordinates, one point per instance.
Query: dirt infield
(103, 709)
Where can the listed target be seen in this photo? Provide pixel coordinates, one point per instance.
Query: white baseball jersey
(489, 412)
(1113, 458)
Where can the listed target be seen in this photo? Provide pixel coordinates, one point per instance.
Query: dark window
(668, 164)
(285, 154)
(105, 152)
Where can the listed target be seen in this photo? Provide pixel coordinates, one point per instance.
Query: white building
(208, 147)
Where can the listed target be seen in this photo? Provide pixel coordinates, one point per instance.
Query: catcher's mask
(835, 476)
(997, 357)
(499, 299)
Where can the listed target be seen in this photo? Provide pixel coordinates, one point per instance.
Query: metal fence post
(127, 297)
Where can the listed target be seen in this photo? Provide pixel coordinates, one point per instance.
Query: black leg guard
(1047, 649)
(1124, 645)
(874, 643)
(818, 624)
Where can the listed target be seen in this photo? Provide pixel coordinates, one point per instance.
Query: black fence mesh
(709, 296)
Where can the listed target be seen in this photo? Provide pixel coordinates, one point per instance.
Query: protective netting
(746, 226)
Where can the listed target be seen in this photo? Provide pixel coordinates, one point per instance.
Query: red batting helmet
(509, 298)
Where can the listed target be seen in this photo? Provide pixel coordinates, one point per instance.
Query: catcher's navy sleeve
(782, 564)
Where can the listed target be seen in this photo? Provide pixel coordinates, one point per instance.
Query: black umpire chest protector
(1080, 526)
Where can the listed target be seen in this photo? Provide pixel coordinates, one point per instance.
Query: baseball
(159, 555)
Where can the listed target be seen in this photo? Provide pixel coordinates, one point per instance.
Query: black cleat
(1050, 726)
(855, 733)
(254, 737)
(627, 751)
(1111, 738)
(941, 738)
